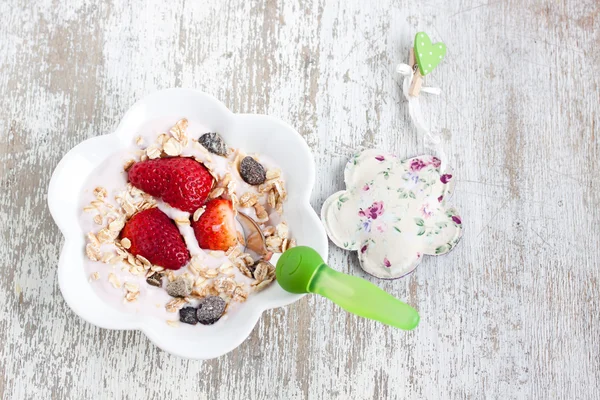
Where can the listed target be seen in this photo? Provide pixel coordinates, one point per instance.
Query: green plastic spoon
(302, 270)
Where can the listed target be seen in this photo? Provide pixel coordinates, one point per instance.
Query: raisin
(213, 143)
(252, 171)
(154, 280)
(188, 315)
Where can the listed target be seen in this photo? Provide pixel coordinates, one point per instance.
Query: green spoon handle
(362, 298)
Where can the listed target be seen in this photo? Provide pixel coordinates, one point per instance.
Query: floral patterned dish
(393, 212)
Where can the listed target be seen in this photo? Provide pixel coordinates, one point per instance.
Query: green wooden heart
(428, 55)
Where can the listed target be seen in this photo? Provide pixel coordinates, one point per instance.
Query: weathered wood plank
(512, 312)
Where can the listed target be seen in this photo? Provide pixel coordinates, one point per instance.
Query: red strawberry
(154, 236)
(215, 229)
(181, 182)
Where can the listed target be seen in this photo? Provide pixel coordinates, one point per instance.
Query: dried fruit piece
(214, 143)
(180, 287)
(155, 280)
(252, 172)
(210, 310)
(187, 315)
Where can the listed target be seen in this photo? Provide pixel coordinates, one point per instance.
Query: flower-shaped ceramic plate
(393, 212)
(259, 134)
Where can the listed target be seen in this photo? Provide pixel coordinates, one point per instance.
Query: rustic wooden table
(512, 312)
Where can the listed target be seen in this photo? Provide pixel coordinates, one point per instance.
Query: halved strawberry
(181, 182)
(215, 229)
(154, 236)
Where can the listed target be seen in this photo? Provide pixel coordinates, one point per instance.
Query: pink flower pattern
(428, 228)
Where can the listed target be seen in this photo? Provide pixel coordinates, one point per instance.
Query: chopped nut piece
(173, 147)
(198, 213)
(113, 280)
(126, 243)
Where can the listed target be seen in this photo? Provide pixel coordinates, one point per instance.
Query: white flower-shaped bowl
(259, 134)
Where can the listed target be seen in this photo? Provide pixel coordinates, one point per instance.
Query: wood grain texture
(511, 313)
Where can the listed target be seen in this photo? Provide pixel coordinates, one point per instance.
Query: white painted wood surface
(511, 313)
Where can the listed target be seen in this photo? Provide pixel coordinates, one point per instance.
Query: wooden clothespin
(423, 58)
(417, 81)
